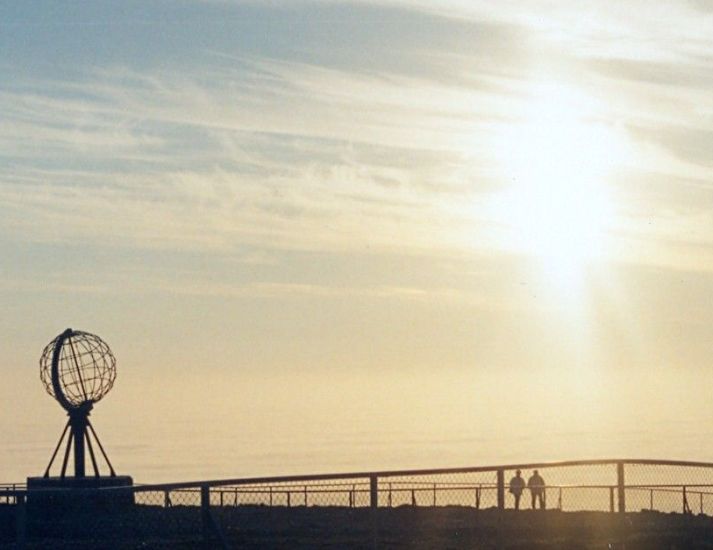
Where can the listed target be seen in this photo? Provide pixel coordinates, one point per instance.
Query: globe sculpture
(78, 369)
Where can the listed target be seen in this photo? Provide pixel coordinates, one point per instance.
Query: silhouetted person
(537, 488)
(517, 486)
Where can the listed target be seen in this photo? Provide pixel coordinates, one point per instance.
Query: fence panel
(669, 487)
(466, 502)
(470, 489)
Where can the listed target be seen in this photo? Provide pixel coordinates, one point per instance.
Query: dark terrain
(404, 527)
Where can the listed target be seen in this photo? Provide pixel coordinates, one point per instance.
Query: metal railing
(216, 509)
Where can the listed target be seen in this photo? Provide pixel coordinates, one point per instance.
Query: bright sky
(446, 230)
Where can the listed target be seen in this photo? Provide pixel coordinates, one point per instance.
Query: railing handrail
(422, 472)
(668, 488)
(366, 475)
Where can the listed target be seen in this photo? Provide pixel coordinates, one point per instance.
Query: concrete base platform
(71, 495)
(87, 482)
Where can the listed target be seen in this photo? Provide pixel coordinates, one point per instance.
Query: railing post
(373, 491)
(686, 507)
(611, 499)
(501, 489)
(620, 484)
(374, 504)
(205, 513)
(20, 521)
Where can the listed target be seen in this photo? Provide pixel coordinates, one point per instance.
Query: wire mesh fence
(669, 488)
(360, 509)
(349, 493)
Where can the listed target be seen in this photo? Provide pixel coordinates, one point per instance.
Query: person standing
(517, 486)
(537, 489)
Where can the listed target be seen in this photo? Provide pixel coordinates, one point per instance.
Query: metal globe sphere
(86, 369)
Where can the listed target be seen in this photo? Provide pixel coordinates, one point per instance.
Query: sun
(556, 158)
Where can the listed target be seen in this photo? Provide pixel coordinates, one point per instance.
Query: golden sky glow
(558, 161)
(428, 227)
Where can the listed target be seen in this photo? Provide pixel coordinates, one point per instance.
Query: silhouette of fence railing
(226, 510)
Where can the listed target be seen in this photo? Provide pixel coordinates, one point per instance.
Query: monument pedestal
(72, 495)
(70, 482)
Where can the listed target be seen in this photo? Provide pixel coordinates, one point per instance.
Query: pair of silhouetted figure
(536, 485)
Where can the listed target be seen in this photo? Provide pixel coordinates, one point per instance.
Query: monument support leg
(56, 449)
(79, 429)
(91, 454)
(101, 448)
(67, 450)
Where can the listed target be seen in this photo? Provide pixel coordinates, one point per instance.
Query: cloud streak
(304, 151)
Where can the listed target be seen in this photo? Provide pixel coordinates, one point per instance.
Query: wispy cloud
(302, 150)
(278, 168)
(635, 29)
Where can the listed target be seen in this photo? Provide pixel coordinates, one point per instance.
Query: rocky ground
(255, 527)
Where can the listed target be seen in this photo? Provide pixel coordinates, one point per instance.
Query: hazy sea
(193, 430)
(178, 452)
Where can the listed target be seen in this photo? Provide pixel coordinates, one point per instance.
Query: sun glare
(556, 158)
